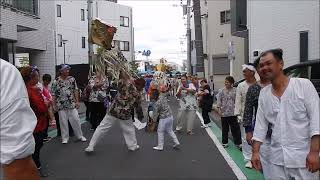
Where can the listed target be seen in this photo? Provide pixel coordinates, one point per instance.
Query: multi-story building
(71, 32)
(27, 27)
(119, 16)
(290, 25)
(50, 33)
(217, 40)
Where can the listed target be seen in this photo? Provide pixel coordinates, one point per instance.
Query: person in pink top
(46, 79)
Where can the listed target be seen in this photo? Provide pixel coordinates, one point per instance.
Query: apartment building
(49, 33)
(26, 29)
(223, 53)
(119, 16)
(290, 25)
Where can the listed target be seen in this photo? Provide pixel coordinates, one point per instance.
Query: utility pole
(90, 45)
(189, 67)
(198, 38)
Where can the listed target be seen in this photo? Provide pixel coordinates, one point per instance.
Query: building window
(59, 40)
(83, 40)
(225, 17)
(221, 65)
(304, 46)
(116, 44)
(82, 15)
(124, 21)
(58, 10)
(124, 46)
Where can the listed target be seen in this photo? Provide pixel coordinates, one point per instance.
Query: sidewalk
(232, 150)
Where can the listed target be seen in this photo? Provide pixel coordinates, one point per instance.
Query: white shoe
(204, 126)
(135, 148)
(89, 149)
(225, 145)
(65, 142)
(176, 147)
(248, 165)
(83, 139)
(158, 148)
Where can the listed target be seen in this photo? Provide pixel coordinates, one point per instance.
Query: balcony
(28, 7)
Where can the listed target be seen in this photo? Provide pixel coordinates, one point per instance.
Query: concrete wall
(70, 26)
(39, 43)
(219, 45)
(9, 20)
(110, 12)
(46, 60)
(277, 25)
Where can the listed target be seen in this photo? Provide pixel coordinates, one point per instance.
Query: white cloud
(159, 27)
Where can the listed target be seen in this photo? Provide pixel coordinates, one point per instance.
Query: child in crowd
(163, 111)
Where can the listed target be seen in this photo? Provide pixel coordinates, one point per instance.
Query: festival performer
(120, 111)
(188, 105)
(163, 111)
(65, 96)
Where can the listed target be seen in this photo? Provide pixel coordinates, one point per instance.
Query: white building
(50, 33)
(71, 32)
(28, 28)
(119, 16)
(216, 33)
(290, 25)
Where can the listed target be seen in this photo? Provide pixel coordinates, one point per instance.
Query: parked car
(309, 69)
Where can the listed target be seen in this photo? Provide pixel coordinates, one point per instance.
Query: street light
(64, 50)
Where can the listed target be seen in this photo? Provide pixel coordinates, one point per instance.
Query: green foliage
(134, 66)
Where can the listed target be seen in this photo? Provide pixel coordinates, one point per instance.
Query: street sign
(146, 53)
(231, 51)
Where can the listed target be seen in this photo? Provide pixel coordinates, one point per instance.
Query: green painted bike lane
(237, 156)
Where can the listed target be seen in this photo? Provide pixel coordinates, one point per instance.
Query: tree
(134, 66)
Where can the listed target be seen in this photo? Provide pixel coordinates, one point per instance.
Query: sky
(159, 27)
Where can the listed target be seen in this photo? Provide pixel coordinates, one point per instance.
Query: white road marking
(237, 171)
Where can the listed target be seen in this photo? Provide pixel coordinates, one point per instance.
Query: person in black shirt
(206, 101)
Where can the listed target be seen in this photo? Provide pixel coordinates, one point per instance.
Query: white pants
(188, 116)
(264, 158)
(127, 127)
(73, 117)
(165, 126)
(246, 148)
(283, 173)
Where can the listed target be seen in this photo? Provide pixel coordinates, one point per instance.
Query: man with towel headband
(249, 76)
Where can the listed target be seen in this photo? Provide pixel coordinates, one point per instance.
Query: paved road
(198, 159)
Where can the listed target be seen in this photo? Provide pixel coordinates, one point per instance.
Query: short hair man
(65, 96)
(248, 71)
(249, 115)
(291, 106)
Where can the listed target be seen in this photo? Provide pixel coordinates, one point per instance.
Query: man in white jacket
(291, 106)
(249, 75)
